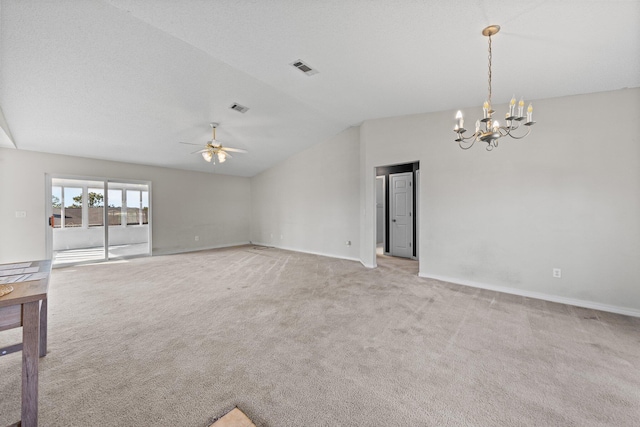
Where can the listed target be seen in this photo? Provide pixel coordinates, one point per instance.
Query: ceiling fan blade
(201, 151)
(187, 143)
(235, 150)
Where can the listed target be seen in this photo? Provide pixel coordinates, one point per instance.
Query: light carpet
(302, 340)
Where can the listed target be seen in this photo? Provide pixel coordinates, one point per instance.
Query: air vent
(304, 67)
(238, 107)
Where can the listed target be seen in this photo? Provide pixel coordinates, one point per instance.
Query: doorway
(399, 209)
(94, 220)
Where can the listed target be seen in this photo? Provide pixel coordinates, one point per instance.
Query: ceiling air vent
(238, 107)
(305, 68)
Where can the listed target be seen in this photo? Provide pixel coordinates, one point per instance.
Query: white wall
(90, 237)
(567, 196)
(310, 201)
(219, 205)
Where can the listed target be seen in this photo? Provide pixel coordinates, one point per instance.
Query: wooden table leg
(30, 354)
(43, 328)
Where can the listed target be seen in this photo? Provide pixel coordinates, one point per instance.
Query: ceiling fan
(214, 150)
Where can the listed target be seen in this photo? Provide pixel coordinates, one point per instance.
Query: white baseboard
(287, 248)
(204, 248)
(538, 295)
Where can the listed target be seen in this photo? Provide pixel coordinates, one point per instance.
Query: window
(128, 204)
(95, 204)
(72, 202)
(133, 207)
(145, 207)
(137, 202)
(68, 203)
(115, 206)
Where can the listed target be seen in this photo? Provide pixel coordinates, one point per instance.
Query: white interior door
(401, 223)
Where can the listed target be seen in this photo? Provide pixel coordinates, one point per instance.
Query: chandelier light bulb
(207, 156)
(460, 120)
(520, 107)
(512, 106)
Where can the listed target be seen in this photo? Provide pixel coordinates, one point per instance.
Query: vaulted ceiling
(126, 80)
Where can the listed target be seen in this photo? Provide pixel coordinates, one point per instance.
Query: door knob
(393, 220)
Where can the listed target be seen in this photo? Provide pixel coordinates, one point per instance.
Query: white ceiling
(127, 79)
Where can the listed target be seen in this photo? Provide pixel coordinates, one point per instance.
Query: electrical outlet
(197, 238)
(557, 273)
(21, 214)
(348, 242)
(281, 236)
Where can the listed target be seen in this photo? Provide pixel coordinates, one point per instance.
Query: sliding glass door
(128, 233)
(94, 220)
(77, 219)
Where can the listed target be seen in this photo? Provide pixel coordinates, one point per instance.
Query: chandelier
(492, 131)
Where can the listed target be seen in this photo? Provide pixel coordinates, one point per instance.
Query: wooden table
(26, 306)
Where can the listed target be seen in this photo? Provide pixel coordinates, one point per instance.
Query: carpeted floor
(301, 340)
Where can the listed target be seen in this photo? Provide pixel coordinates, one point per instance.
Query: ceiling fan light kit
(213, 150)
(492, 131)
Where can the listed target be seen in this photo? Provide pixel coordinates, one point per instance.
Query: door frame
(416, 211)
(385, 171)
(383, 178)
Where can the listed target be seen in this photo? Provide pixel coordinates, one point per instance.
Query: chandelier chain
(489, 57)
